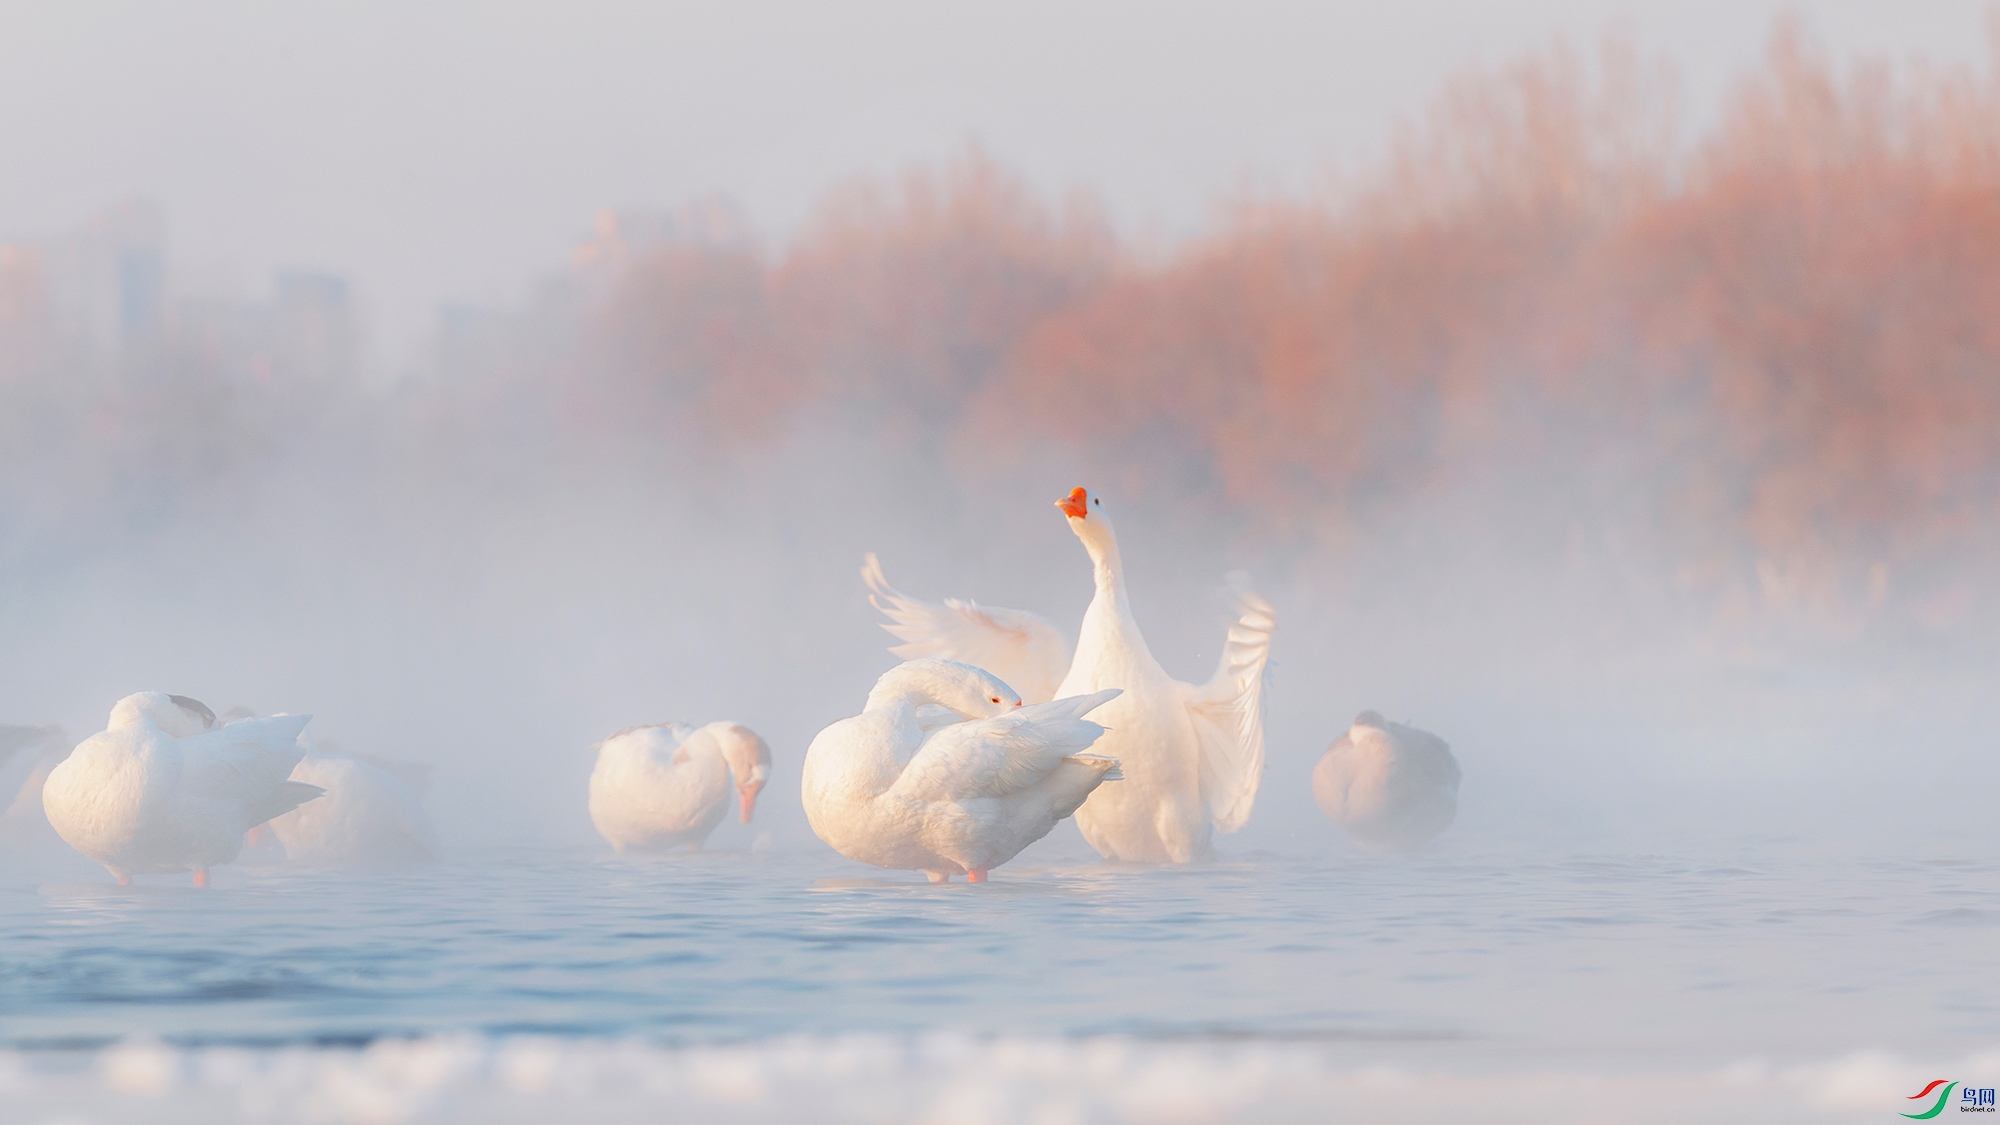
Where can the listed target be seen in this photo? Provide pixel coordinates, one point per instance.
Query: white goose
(945, 772)
(665, 786)
(1388, 785)
(372, 813)
(1192, 755)
(162, 789)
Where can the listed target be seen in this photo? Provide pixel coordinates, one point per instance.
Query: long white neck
(911, 687)
(1107, 569)
(1109, 619)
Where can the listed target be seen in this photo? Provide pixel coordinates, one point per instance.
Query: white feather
(155, 792)
(1388, 785)
(667, 785)
(1024, 650)
(958, 797)
(1192, 756)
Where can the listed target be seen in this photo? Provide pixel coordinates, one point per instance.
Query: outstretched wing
(1228, 710)
(1021, 648)
(1001, 755)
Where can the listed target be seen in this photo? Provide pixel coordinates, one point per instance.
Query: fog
(1642, 450)
(450, 152)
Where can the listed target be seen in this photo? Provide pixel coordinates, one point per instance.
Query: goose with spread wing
(163, 789)
(945, 772)
(1192, 754)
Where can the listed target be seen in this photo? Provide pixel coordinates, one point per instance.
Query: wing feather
(276, 803)
(1021, 648)
(1005, 754)
(250, 760)
(1228, 710)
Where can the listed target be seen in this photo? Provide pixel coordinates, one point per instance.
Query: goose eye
(993, 699)
(1099, 501)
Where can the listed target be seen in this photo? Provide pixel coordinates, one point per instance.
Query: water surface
(1548, 955)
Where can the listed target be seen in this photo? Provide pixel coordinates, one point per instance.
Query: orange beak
(746, 799)
(1076, 504)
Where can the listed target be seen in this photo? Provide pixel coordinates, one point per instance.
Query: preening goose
(1387, 785)
(371, 813)
(371, 816)
(163, 789)
(667, 785)
(945, 772)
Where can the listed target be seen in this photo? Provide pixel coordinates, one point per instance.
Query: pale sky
(454, 151)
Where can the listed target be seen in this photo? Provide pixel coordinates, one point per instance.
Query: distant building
(141, 287)
(106, 282)
(24, 289)
(96, 294)
(228, 340)
(23, 307)
(100, 291)
(313, 330)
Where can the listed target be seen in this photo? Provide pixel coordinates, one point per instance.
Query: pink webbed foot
(124, 880)
(201, 876)
(976, 875)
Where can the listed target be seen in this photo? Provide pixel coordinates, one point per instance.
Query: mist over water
(1652, 473)
(1655, 472)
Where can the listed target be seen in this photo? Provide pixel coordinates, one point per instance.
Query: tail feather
(1070, 706)
(1113, 773)
(288, 796)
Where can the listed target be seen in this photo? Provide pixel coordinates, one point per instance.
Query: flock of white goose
(990, 733)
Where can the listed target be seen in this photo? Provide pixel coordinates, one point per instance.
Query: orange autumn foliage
(1783, 336)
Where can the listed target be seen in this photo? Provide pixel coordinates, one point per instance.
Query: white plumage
(1192, 755)
(945, 772)
(162, 789)
(667, 785)
(1022, 648)
(1387, 785)
(369, 817)
(371, 813)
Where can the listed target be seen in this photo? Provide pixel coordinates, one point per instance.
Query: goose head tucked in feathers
(175, 715)
(749, 759)
(966, 691)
